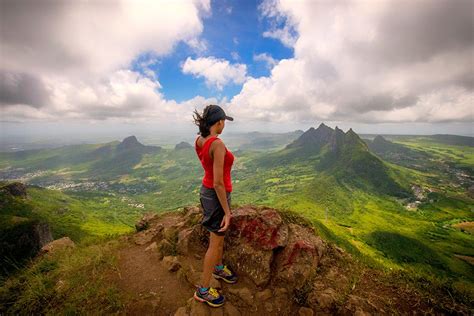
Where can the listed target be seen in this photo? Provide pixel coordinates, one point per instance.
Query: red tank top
(207, 164)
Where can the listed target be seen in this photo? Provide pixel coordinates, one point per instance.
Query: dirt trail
(152, 288)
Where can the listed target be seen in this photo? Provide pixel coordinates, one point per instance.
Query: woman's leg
(221, 252)
(211, 258)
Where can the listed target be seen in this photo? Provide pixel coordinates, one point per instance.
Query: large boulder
(144, 222)
(146, 236)
(261, 228)
(296, 264)
(192, 240)
(259, 244)
(254, 263)
(15, 189)
(252, 237)
(8, 193)
(57, 244)
(263, 247)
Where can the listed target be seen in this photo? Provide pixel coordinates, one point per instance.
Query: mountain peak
(350, 134)
(130, 139)
(322, 126)
(130, 142)
(182, 145)
(380, 139)
(313, 139)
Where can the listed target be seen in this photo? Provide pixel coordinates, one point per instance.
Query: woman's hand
(226, 222)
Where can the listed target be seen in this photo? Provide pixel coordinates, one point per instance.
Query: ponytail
(201, 122)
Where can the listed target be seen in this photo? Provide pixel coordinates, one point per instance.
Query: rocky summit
(283, 265)
(276, 260)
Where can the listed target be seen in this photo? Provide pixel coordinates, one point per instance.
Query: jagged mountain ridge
(342, 155)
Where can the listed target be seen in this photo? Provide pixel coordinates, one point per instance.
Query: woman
(215, 192)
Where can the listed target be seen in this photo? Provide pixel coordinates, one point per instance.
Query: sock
(203, 289)
(219, 267)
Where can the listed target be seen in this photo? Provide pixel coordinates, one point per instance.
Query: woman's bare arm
(218, 171)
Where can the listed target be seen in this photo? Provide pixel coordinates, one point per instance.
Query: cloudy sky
(402, 66)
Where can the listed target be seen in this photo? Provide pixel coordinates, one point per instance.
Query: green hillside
(344, 156)
(103, 161)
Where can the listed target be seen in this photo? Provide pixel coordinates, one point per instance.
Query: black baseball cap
(216, 113)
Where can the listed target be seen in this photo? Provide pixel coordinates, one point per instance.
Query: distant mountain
(121, 159)
(182, 145)
(313, 139)
(453, 139)
(384, 147)
(397, 153)
(96, 161)
(342, 155)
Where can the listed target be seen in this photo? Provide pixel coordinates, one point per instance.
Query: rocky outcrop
(42, 231)
(297, 263)
(254, 236)
(260, 244)
(267, 249)
(283, 267)
(15, 189)
(22, 239)
(144, 222)
(57, 244)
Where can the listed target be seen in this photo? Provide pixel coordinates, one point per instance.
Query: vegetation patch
(403, 249)
(69, 281)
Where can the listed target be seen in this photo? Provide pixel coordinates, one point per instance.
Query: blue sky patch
(233, 32)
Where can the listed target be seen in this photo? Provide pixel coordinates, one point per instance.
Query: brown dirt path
(152, 289)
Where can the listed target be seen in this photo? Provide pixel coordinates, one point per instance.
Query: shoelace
(225, 269)
(213, 292)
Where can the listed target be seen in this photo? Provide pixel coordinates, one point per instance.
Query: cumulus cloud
(216, 72)
(361, 61)
(22, 89)
(125, 95)
(69, 59)
(266, 58)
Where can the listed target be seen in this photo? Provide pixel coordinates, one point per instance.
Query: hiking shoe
(224, 274)
(211, 297)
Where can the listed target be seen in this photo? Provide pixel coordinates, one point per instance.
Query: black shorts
(212, 209)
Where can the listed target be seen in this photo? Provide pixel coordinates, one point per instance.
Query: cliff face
(21, 237)
(20, 240)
